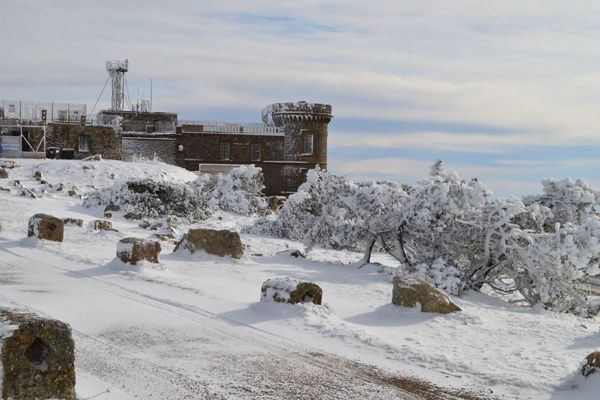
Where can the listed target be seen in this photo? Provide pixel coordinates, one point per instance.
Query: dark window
(224, 151)
(255, 152)
(308, 143)
(84, 144)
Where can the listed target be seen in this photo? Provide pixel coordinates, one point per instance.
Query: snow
(278, 289)
(197, 325)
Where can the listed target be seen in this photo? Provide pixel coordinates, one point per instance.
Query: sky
(507, 91)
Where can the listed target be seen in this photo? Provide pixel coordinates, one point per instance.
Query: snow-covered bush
(153, 199)
(567, 200)
(335, 212)
(238, 193)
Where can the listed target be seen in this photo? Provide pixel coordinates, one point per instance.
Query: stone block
(416, 293)
(44, 226)
(219, 242)
(38, 357)
(287, 290)
(133, 250)
(103, 225)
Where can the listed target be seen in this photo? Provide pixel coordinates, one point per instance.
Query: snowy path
(171, 350)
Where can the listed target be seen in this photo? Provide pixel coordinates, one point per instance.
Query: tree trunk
(368, 250)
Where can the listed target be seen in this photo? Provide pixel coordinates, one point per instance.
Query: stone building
(291, 141)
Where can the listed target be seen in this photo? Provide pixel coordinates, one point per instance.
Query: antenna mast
(116, 71)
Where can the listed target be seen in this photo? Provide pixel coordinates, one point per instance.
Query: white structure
(116, 70)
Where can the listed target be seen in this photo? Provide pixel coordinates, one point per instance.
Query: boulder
(38, 175)
(131, 250)
(107, 215)
(3, 173)
(112, 207)
(38, 357)
(73, 221)
(103, 225)
(131, 215)
(218, 242)
(287, 290)
(47, 227)
(592, 364)
(411, 292)
(72, 193)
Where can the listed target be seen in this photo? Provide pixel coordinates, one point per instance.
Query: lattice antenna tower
(116, 70)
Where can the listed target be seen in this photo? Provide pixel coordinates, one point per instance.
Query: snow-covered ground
(193, 326)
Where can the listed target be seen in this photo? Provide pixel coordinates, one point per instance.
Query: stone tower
(305, 141)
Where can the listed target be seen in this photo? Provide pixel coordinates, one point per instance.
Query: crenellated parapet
(279, 114)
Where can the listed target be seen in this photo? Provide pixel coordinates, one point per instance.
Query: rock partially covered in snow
(287, 290)
(3, 173)
(44, 226)
(592, 364)
(103, 225)
(132, 250)
(73, 221)
(411, 292)
(38, 357)
(219, 242)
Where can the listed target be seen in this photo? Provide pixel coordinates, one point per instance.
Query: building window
(308, 143)
(225, 151)
(255, 152)
(84, 144)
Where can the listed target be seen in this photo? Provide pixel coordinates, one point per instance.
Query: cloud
(524, 71)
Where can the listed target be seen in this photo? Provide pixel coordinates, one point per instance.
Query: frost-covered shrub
(238, 192)
(442, 219)
(153, 199)
(568, 201)
(443, 276)
(334, 212)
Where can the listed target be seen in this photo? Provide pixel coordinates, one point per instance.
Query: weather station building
(290, 140)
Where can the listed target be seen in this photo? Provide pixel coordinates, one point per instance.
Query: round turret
(305, 141)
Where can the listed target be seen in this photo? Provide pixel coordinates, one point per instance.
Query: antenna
(116, 71)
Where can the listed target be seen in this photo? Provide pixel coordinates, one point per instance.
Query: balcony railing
(233, 128)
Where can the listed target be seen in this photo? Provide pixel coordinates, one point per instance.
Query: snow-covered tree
(450, 231)
(567, 200)
(334, 212)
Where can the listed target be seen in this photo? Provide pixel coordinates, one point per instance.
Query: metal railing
(233, 128)
(32, 111)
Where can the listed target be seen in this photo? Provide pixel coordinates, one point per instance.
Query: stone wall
(206, 147)
(103, 140)
(150, 146)
(200, 148)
